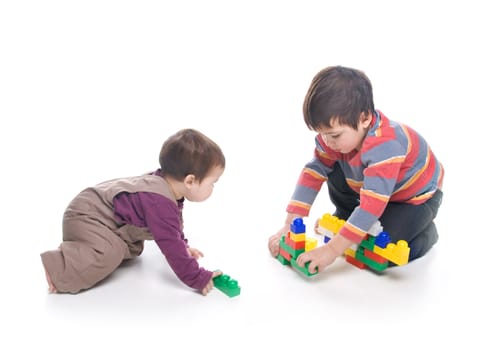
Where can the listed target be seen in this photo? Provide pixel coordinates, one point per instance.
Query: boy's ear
(365, 119)
(189, 180)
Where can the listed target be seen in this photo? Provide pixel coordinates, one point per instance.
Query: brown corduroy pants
(90, 251)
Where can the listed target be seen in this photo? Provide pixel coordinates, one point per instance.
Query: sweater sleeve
(309, 183)
(383, 161)
(163, 219)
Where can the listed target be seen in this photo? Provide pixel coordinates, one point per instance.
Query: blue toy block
(382, 239)
(297, 226)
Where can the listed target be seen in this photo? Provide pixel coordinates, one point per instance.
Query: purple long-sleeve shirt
(163, 218)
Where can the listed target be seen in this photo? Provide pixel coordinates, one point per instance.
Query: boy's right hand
(274, 240)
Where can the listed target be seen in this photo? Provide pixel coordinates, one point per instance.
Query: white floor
(90, 92)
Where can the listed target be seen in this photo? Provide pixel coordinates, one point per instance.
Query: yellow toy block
(297, 237)
(350, 252)
(331, 223)
(397, 253)
(310, 243)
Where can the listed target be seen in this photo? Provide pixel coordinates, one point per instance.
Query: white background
(89, 90)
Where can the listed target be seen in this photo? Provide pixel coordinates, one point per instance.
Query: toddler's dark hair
(337, 94)
(190, 152)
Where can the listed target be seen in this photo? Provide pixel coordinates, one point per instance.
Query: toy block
(227, 285)
(368, 242)
(310, 243)
(297, 226)
(297, 237)
(397, 253)
(282, 259)
(375, 229)
(354, 262)
(293, 252)
(285, 254)
(375, 251)
(331, 223)
(350, 252)
(289, 248)
(304, 270)
(383, 239)
(295, 245)
(324, 232)
(375, 257)
(359, 255)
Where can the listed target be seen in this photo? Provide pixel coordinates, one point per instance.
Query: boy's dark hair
(189, 152)
(337, 93)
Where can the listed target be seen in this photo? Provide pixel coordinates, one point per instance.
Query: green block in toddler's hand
(227, 285)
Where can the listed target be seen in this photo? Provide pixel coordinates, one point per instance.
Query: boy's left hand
(195, 253)
(319, 258)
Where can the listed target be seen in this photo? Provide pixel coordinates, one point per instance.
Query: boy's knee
(421, 244)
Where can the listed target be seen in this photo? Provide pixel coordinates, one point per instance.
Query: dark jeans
(412, 223)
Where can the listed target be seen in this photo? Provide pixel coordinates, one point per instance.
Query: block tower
(295, 243)
(375, 251)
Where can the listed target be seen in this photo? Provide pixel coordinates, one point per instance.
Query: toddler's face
(199, 192)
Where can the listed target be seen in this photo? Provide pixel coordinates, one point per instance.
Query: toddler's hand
(210, 284)
(195, 253)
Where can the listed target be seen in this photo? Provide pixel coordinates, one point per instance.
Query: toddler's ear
(189, 180)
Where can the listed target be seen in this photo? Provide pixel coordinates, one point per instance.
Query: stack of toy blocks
(375, 251)
(295, 243)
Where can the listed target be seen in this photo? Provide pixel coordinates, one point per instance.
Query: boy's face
(344, 138)
(198, 192)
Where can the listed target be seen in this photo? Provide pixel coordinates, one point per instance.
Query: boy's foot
(51, 286)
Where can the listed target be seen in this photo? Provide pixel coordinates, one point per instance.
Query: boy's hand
(195, 253)
(319, 258)
(274, 240)
(210, 284)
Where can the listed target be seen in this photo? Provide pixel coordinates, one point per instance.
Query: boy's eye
(332, 136)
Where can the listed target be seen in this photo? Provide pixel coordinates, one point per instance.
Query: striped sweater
(394, 164)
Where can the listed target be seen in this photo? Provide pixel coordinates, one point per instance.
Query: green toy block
(369, 243)
(293, 252)
(304, 270)
(379, 267)
(227, 285)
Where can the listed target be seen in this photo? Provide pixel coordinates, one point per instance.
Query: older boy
(375, 168)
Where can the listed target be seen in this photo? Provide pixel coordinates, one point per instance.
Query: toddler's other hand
(210, 284)
(195, 253)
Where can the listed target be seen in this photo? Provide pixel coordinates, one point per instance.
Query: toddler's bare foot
(51, 286)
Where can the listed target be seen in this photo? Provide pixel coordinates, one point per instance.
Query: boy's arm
(310, 180)
(325, 255)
